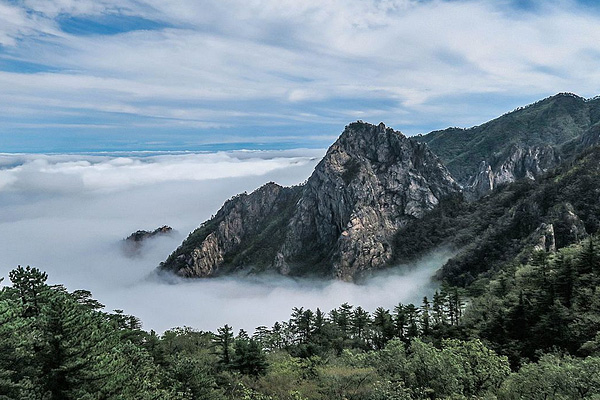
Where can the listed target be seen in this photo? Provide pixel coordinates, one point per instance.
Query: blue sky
(103, 75)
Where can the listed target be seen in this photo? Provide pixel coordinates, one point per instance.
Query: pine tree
(412, 317)
(360, 323)
(425, 319)
(400, 322)
(439, 316)
(30, 283)
(249, 357)
(589, 259)
(224, 341)
(565, 279)
(383, 327)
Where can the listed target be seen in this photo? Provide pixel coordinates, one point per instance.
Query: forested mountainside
(523, 143)
(378, 198)
(558, 209)
(529, 331)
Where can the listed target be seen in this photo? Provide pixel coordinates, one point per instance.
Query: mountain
(512, 223)
(525, 143)
(340, 223)
(525, 181)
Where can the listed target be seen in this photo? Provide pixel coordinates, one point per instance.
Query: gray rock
(370, 183)
(518, 162)
(340, 223)
(133, 244)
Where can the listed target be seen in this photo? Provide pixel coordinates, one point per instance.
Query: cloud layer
(56, 213)
(152, 74)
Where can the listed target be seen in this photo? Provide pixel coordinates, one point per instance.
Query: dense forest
(529, 331)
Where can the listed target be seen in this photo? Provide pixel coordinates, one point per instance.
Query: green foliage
(538, 317)
(555, 377)
(249, 357)
(541, 305)
(59, 345)
(501, 227)
(554, 121)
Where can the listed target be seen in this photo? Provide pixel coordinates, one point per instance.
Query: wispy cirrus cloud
(280, 68)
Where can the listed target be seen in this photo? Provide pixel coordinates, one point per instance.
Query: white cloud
(68, 173)
(57, 214)
(249, 57)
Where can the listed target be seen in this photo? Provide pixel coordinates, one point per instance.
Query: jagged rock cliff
(560, 208)
(515, 163)
(242, 233)
(378, 198)
(372, 181)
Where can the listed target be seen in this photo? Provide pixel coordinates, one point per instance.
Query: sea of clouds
(68, 215)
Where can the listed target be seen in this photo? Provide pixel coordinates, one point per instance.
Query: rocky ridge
(525, 143)
(518, 162)
(357, 211)
(372, 181)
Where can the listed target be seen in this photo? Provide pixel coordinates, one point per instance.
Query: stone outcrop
(568, 226)
(563, 228)
(371, 182)
(236, 234)
(544, 238)
(517, 163)
(340, 223)
(132, 244)
(524, 143)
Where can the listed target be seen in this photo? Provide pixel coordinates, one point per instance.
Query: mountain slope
(244, 232)
(358, 211)
(559, 209)
(372, 181)
(524, 143)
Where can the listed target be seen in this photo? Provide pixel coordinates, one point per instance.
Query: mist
(68, 214)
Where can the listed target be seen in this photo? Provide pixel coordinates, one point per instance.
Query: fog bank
(67, 215)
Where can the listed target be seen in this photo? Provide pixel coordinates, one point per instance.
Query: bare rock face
(371, 182)
(517, 163)
(562, 228)
(340, 223)
(545, 238)
(237, 232)
(568, 226)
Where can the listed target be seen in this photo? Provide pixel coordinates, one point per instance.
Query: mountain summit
(524, 143)
(357, 211)
(340, 223)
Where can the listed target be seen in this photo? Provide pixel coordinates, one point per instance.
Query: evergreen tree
(565, 279)
(425, 318)
(360, 323)
(383, 327)
(224, 341)
(400, 322)
(439, 316)
(412, 318)
(249, 357)
(30, 284)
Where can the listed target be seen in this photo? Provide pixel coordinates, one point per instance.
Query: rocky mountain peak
(372, 181)
(524, 143)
